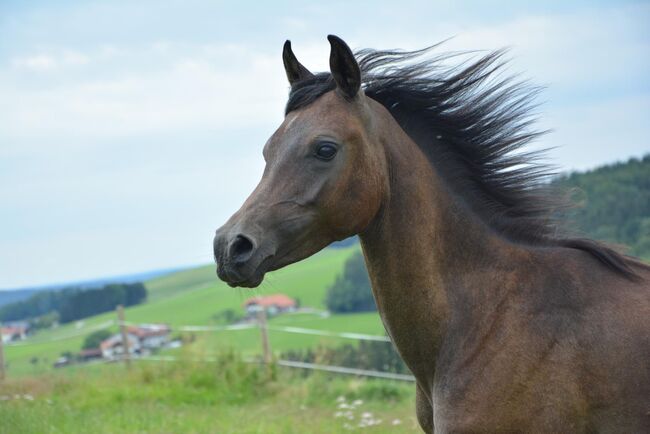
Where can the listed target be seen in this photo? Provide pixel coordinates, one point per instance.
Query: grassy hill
(194, 297)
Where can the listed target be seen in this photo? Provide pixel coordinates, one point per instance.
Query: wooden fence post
(266, 345)
(2, 359)
(125, 338)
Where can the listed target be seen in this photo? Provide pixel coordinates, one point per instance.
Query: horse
(507, 322)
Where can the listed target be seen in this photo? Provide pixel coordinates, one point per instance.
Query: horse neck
(424, 252)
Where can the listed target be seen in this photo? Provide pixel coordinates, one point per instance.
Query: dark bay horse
(508, 325)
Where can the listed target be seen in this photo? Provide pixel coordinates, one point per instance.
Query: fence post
(125, 339)
(2, 359)
(266, 346)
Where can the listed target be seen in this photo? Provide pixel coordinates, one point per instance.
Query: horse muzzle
(240, 260)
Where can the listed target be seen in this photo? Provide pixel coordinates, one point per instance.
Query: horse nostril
(241, 249)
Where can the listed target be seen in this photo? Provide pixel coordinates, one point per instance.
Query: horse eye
(326, 151)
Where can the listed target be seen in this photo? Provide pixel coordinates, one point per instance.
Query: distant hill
(614, 204)
(12, 295)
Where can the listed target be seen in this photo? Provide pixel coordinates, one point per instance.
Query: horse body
(506, 328)
(524, 338)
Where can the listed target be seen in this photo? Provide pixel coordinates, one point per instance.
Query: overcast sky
(130, 130)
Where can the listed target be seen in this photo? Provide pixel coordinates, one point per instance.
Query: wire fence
(260, 324)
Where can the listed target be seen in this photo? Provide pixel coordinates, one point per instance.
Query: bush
(371, 355)
(227, 316)
(95, 338)
(44, 321)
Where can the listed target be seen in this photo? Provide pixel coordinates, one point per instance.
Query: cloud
(188, 88)
(49, 62)
(38, 62)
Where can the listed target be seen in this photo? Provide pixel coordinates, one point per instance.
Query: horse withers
(507, 325)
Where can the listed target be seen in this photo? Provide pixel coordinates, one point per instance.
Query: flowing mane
(473, 122)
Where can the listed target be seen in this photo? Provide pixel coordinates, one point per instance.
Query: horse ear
(344, 67)
(294, 69)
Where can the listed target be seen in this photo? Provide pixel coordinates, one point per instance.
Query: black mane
(472, 121)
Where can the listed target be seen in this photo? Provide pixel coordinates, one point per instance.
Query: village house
(141, 339)
(272, 304)
(151, 336)
(12, 333)
(112, 347)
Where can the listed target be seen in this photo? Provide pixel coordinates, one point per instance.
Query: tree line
(613, 204)
(72, 304)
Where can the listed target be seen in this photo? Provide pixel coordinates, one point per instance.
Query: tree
(94, 339)
(351, 291)
(613, 204)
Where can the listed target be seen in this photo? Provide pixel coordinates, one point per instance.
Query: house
(12, 333)
(142, 339)
(111, 348)
(151, 336)
(272, 304)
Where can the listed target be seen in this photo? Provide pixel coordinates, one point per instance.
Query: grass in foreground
(227, 396)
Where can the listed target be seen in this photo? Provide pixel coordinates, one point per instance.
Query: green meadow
(224, 397)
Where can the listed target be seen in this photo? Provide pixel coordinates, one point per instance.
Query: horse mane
(473, 122)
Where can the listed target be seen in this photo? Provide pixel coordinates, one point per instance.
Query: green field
(224, 397)
(193, 297)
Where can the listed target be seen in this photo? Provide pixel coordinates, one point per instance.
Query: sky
(131, 130)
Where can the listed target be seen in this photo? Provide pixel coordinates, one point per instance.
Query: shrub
(371, 355)
(95, 338)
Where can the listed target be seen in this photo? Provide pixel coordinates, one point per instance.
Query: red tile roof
(279, 300)
(149, 330)
(13, 330)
